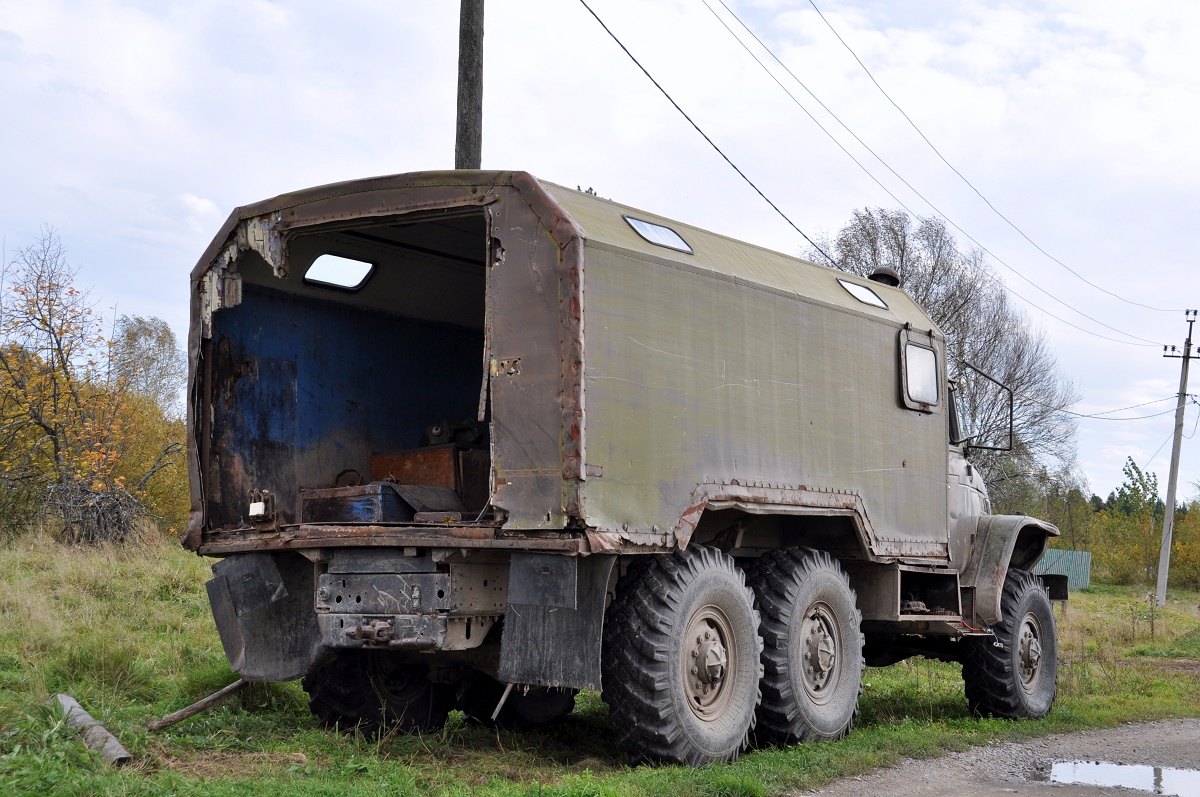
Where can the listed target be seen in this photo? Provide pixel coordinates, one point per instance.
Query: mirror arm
(1007, 390)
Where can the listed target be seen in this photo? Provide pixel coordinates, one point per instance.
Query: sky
(134, 128)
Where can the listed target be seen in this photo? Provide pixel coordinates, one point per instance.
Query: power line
(705, 135)
(1100, 416)
(963, 178)
(1160, 448)
(1001, 261)
(826, 254)
(1134, 418)
(1197, 423)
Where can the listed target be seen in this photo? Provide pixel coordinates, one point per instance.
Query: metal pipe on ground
(95, 735)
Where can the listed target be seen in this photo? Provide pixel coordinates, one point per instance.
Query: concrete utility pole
(1164, 555)
(468, 140)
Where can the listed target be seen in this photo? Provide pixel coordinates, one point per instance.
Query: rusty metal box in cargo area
(463, 470)
(360, 503)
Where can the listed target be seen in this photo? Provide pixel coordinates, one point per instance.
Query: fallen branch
(195, 708)
(95, 735)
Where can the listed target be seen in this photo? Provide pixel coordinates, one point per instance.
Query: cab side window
(920, 385)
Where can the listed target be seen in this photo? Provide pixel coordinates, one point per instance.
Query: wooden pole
(196, 708)
(468, 140)
(1164, 553)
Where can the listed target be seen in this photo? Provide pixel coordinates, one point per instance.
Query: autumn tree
(982, 327)
(151, 370)
(65, 424)
(1185, 548)
(147, 360)
(1128, 529)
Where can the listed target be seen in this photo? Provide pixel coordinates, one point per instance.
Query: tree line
(91, 416)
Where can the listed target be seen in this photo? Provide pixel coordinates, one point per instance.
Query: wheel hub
(819, 652)
(711, 659)
(395, 681)
(1029, 652)
(708, 655)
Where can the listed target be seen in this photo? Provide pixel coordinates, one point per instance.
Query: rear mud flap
(262, 604)
(556, 640)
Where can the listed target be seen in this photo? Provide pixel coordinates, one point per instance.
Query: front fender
(1002, 542)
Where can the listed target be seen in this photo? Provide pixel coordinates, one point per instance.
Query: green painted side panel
(694, 378)
(1075, 565)
(604, 224)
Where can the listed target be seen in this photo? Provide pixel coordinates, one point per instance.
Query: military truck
(469, 439)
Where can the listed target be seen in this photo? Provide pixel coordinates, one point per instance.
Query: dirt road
(1027, 768)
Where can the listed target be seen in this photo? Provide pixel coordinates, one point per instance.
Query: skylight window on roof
(339, 272)
(659, 235)
(863, 294)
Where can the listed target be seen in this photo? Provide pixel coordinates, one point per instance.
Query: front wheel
(681, 659)
(1015, 674)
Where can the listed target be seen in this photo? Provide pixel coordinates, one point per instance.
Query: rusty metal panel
(435, 466)
(696, 378)
(525, 345)
(223, 543)
(463, 470)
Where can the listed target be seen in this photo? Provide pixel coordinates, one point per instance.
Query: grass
(128, 634)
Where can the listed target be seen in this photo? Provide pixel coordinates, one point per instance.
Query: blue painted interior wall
(305, 389)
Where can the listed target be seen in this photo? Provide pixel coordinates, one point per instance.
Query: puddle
(1154, 780)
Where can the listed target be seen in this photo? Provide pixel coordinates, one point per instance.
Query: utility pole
(468, 139)
(1164, 556)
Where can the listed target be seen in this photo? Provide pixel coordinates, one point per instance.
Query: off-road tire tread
(775, 577)
(638, 635)
(989, 677)
(480, 694)
(341, 696)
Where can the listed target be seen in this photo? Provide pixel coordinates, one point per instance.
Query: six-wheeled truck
(468, 439)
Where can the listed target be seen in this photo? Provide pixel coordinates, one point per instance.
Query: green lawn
(128, 634)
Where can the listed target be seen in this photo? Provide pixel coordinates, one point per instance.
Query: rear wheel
(524, 708)
(372, 690)
(681, 659)
(812, 647)
(1015, 674)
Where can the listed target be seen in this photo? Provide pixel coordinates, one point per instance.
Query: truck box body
(625, 383)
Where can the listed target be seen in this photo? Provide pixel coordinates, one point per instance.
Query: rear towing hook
(374, 631)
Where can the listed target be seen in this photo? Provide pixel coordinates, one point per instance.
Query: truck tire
(1015, 674)
(681, 659)
(372, 691)
(523, 710)
(812, 647)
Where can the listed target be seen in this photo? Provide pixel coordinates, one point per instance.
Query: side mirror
(959, 435)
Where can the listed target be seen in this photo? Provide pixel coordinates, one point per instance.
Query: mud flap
(263, 607)
(554, 637)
